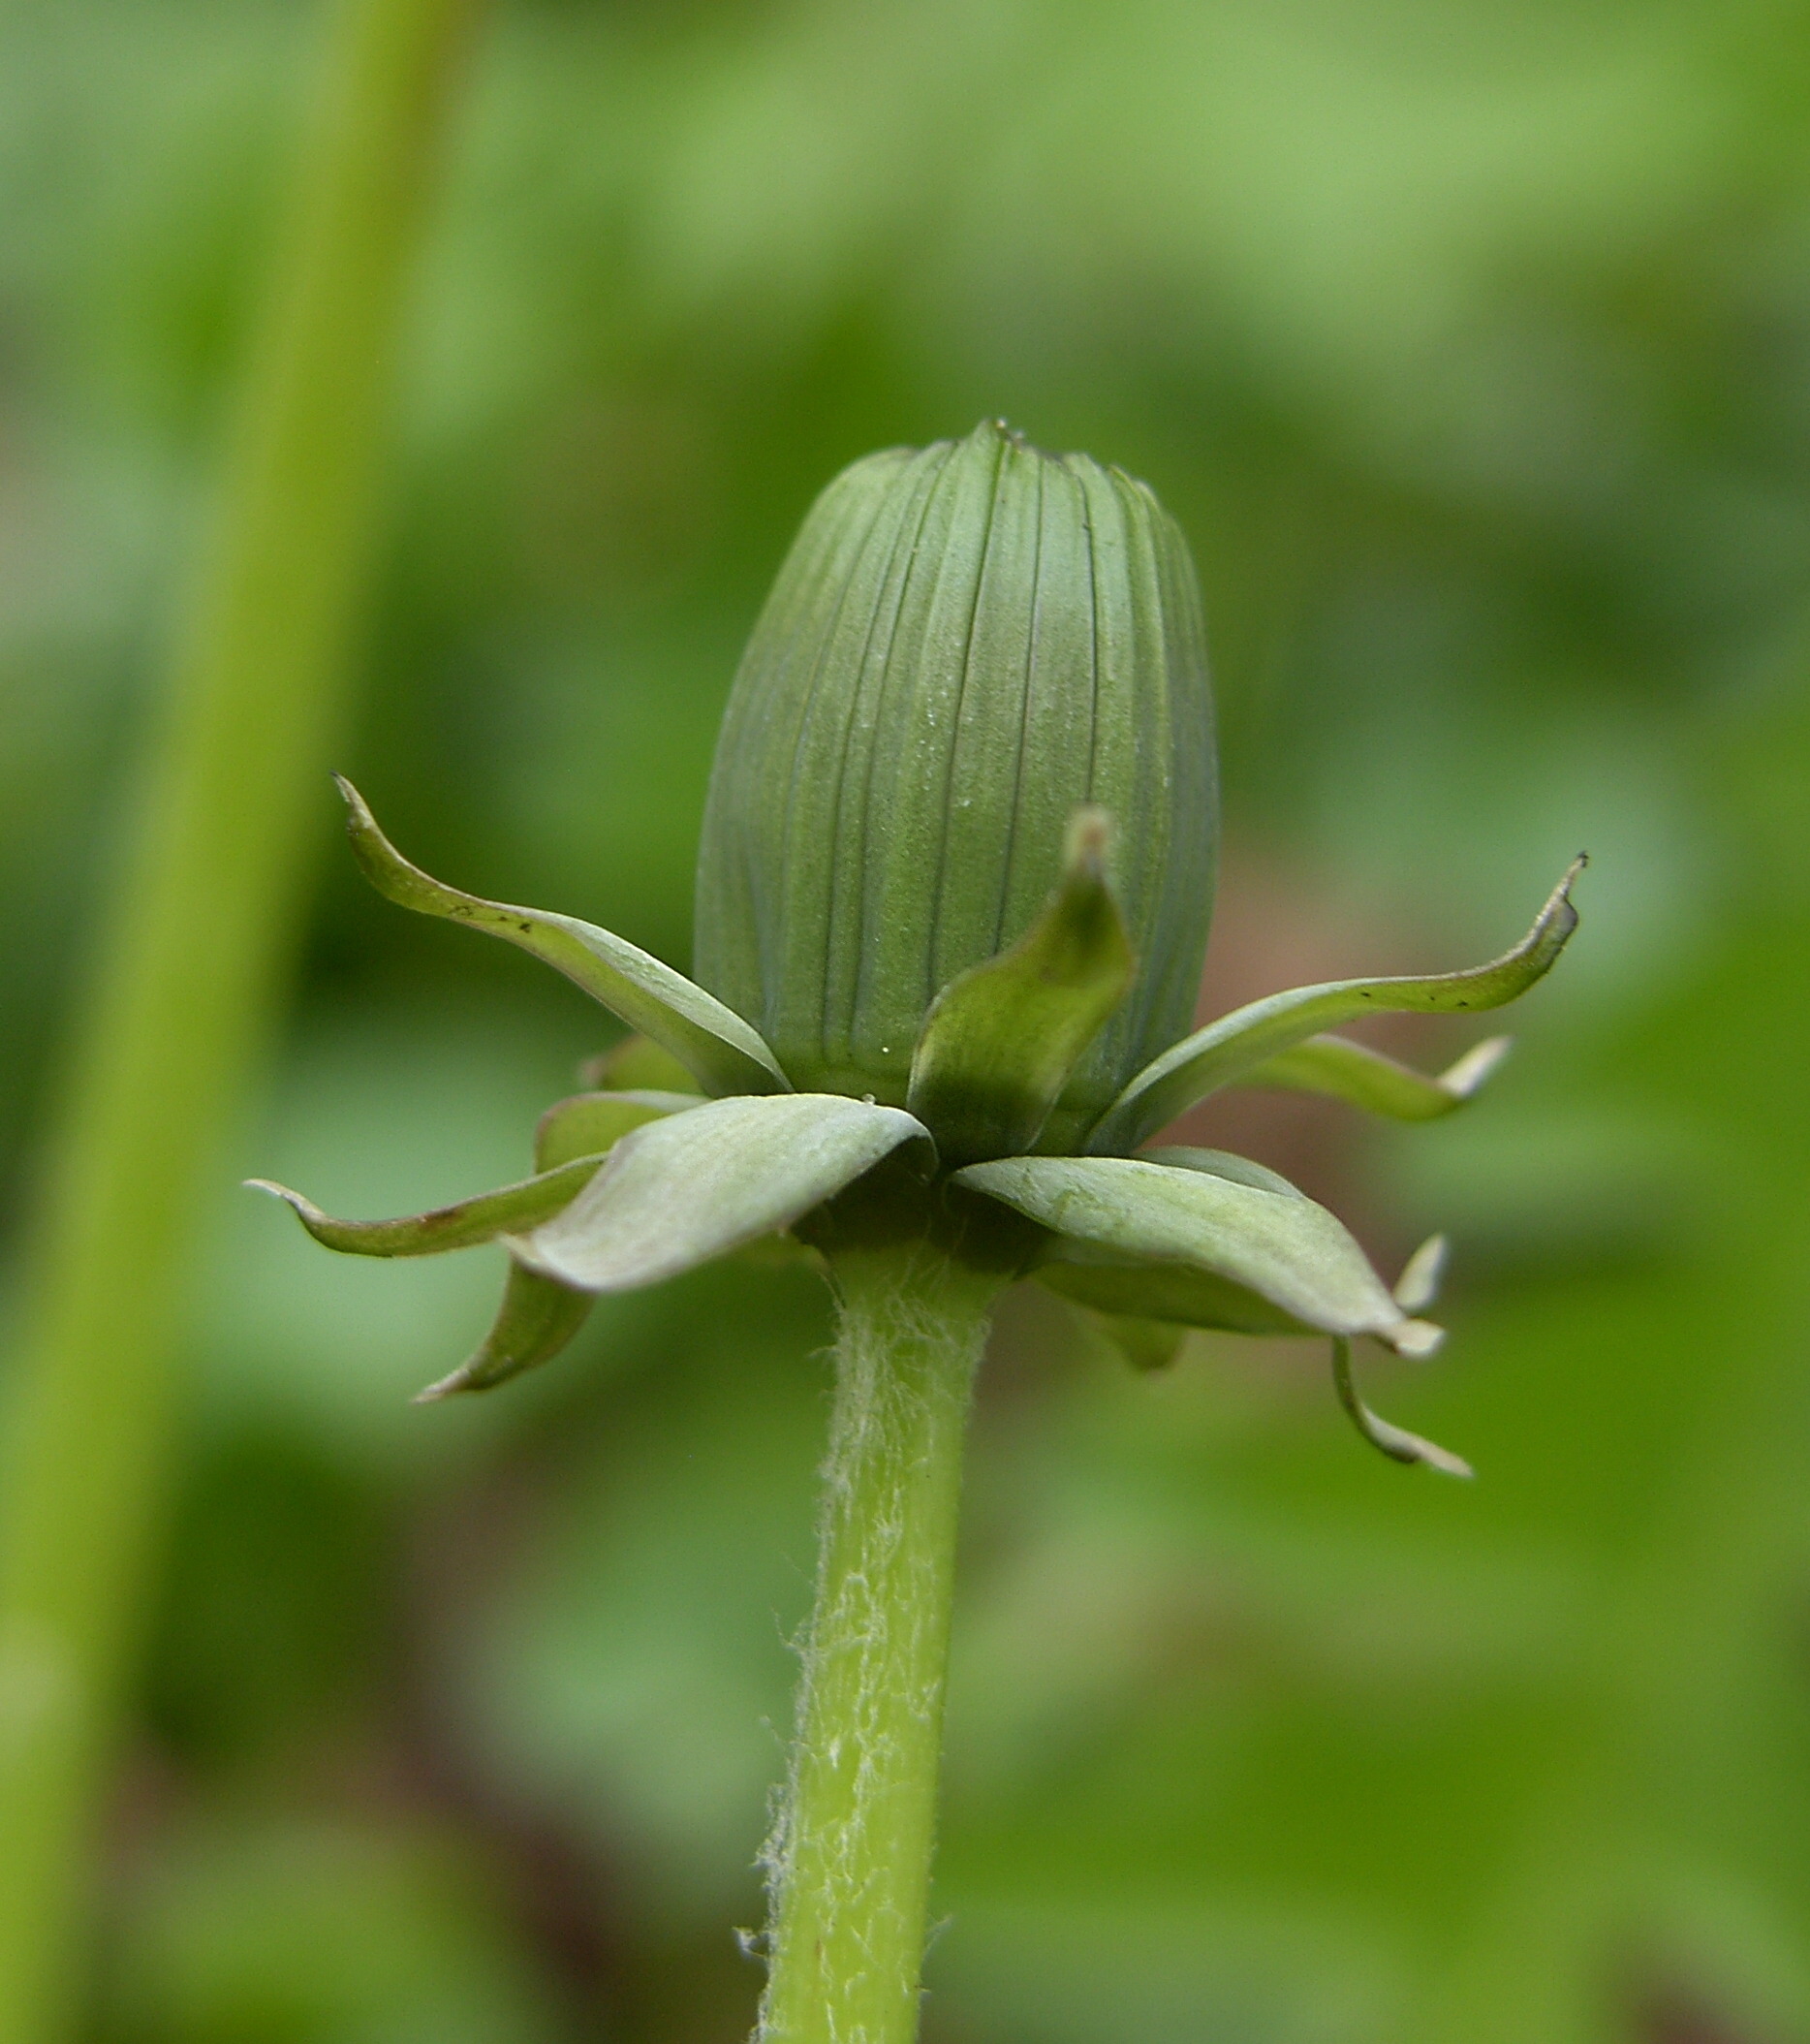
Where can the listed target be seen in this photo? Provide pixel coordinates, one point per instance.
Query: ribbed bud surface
(965, 643)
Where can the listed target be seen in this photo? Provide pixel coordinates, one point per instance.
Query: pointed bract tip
(1089, 839)
(1559, 909)
(1441, 1459)
(1417, 1286)
(359, 816)
(297, 1201)
(1416, 1339)
(446, 1387)
(1561, 895)
(1479, 1063)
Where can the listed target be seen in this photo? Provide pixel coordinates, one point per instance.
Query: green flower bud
(980, 682)
(966, 643)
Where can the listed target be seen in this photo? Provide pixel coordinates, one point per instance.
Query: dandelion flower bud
(966, 643)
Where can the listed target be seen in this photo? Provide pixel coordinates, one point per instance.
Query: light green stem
(191, 953)
(849, 1860)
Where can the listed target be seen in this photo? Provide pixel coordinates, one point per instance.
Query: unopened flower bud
(966, 643)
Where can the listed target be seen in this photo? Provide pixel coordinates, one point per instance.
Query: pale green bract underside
(682, 1191)
(1181, 1242)
(674, 1181)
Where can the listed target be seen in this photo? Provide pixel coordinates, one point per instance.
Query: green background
(1471, 346)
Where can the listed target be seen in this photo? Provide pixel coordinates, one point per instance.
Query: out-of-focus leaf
(710, 1041)
(588, 1124)
(1352, 1072)
(1145, 1344)
(1001, 1039)
(1223, 1164)
(637, 1064)
(683, 1190)
(460, 1226)
(365, 1927)
(630, 1658)
(1173, 1294)
(1181, 1225)
(536, 1320)
(1226, 1050)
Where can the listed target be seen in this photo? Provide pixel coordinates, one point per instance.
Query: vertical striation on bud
(966, 643)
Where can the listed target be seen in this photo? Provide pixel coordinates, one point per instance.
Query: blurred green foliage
(1471, 345)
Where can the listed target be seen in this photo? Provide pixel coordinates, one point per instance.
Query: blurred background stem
(200, 918)
(850, 1857)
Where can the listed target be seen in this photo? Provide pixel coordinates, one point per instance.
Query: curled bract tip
(1281, 1040)
(1396, 1442)
(723, 1054)
(460, 1226)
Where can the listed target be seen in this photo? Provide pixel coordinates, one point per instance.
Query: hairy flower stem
(849, 1860)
